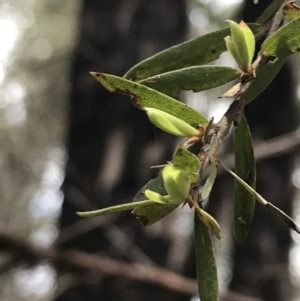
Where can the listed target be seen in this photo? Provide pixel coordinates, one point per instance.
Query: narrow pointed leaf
(116, 208)
(199, 51)
(264, 77)
(196, 79)
(270, 11)
(245, 168)
(206, 269)
(283, 42)
(143, 96)
(287, 220)
(209, 221)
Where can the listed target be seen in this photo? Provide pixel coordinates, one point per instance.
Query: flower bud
(241, 45)
(170, 123)
(177, 183)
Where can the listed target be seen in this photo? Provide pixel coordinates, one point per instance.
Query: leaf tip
(97, 74)
(81, 214)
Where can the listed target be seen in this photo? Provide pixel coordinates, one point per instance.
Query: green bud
(241, 45)
(177, 183)
(170, 123)
(250, 40)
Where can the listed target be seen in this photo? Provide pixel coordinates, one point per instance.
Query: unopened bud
(241, 45)
(170, 123)
(177, 183)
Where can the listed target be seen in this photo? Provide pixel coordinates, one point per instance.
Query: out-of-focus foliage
(36, 40)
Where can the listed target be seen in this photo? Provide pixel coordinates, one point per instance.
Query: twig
(236, 109)
(81, 262)
(272, 148)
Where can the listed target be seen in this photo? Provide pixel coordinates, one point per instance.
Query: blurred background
(67, 145)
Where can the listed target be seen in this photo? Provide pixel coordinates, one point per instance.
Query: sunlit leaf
(143, 96)
(195, 52)
(196, 79)
(206, 269)
(264, 77)
(245, 168)
(283, 42)
(171, 124)
(241, 45)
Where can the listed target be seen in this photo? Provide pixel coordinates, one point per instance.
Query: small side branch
(82, 262)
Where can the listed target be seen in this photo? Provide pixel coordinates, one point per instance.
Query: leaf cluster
(189, 177)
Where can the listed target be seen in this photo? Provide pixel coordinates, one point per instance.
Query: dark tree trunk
(110, 143)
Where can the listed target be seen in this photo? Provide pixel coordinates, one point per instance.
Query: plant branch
(271, 148)
(236, 109)
(82, 262)
(76, 262)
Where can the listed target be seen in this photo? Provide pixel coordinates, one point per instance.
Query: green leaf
(199, 51)
(187, 161)
(288, 221)
(208, 220)
(151, 213)
(241, 44)
(291, 11)
(114, 209)
(283, 42)
(264, 77)
(270, 11)
(143, 96)
(197, 78)
(206, 269)
(245, 168)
